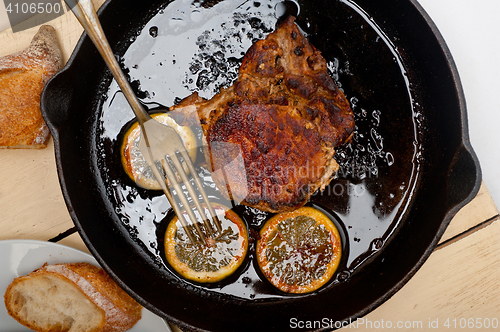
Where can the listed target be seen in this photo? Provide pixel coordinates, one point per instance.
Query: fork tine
(173, 182)
(204, 195)
(162, 181)
(190, 189)
(164, 142)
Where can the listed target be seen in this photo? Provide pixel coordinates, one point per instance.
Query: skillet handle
(464, 178)
(56, 101)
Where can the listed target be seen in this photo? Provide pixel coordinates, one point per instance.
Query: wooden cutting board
(459, 284)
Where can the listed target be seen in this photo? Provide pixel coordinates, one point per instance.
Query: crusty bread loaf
(23, 76)
(76, 297)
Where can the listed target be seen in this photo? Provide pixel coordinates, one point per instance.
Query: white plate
(20, 257)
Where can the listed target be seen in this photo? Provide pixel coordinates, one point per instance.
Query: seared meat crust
(283, 118)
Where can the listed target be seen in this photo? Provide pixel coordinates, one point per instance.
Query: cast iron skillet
(412, 147)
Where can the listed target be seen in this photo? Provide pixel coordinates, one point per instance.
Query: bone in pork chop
(274, 131)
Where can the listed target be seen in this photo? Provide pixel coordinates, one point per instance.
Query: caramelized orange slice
(299, 251)
(214, 260)
(134, 163)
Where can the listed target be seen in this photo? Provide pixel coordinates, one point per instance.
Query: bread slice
(75, 297)
(23, 76)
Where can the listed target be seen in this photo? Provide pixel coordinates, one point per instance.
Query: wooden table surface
(458, 284)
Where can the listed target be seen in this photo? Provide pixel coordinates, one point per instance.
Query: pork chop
(272, 135)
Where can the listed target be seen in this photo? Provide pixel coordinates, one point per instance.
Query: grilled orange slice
(214, 260)
(299, 251)
(134, 163)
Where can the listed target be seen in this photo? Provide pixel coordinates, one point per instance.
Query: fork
(158, 142)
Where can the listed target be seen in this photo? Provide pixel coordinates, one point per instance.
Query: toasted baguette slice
(76, 297)
(23, 76)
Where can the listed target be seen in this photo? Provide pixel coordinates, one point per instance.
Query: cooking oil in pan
(198, 47)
